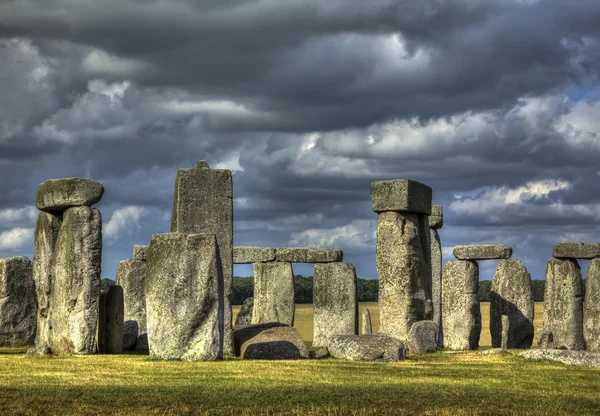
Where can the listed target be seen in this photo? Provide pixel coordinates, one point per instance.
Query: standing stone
(140, 253)
(131, 276)
(505, 332)
(17, 302)
(101, 327)
(422, 337)
(366, 322)
(461, 316)
(244, 316)
(563, 304)
(273, 293)
(184, 297)
(203, 204)
(112, 321)
(512, 296)
(130, 335)
(436, 282)
(591, 307)
(335, 301)
(403, 264)
(44, 242)
(75, 285)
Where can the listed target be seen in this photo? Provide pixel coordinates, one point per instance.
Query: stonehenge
(436, 221)
(18, 311)
(366, 327)
(273, 293)
(591, 307)
(483, 252)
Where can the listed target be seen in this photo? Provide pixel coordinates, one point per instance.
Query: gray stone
(591, 307)
(112, 321)
(75, 284)
(422, 337)
(130, 335)
(62, 194)
(335, 301)
(141, 346)
(18, 308)
(461, 315)
(545, 339)
(512, 296)
(483, 252)
(308, 255)
(436, 282)
(563, 304)
(131, 276)
(100, 328)
(249, 255)
(576, 250)
(505, 332)
(203, 204)
(578, 358)
(140, 253)
(44, 242)
(322, 353)
(403, 264)
(244, 316)
(184, 297)
(494, 351)
(366, 322)
(39, 351)
(436, 219)
(272, 341)
(401, 195)
(273, 293)
(366, 347)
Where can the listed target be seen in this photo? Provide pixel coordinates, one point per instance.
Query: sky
(495, 104)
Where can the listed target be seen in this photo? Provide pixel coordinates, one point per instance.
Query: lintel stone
(61, 194)
(436, 219)
(483, 252)
(308, 255)
(140, 252)
(576, 250)
(250, 255)
(401, 195)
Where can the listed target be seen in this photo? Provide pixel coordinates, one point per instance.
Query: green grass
(430, 384)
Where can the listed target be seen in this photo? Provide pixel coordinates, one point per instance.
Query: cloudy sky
(493, 103)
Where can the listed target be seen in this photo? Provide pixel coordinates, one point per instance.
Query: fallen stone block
(308, 255)
(401, 195)
(244, 316)
(436, 219)
(576, 250)
(366, 347)
(250, 255)
(140, 253)
(591, 307)
(18, 307)
(271, 341)
(61, 194)
(483, 252)
(578, 358)
(273, 293)
(422, 337)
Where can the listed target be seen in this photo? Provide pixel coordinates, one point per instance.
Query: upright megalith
(591, 307)
(184, 297)
(57, 195)
(562, 326)
(203, 204)
(273, 293)
(18, 307)
(436, 221)
(366, 327)
(110, 322)
(403, 254)
(131, 276)
(140, 253)
(512, 296)
(335, 301)
(461, 316)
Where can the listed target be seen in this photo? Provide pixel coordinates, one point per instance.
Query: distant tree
(368, 290)
(243, 288)
(538, 287)
(106, 284)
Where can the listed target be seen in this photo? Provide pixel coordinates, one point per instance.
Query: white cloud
(18, 215)
(16, 238)
(100, 62)
(123, 222)
(357, 235)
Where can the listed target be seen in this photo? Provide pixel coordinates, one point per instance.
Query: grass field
(441, 383)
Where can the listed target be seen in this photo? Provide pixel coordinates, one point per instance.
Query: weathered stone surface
(366, 347)
(140, 253)
(75, 285)
(308, 255)
(113, 321)
(203, 203)
(131, 276)
(512, 296)
(545, 339)
(436, 282)
(272, 341)
(579, 358)
(184, 297)
(422, 337)
(461, 316)
(18, 308)
(563, 304)
(335, 301)
(482, 252)
(65, 193)
(244, 316)
(366, 327)
(505, 332)
(436, 219)
(273, 293)
(591, 307)
(249, 255)
(321, 354)
(130, 335)
(44, 242)
(576, 250)
(403, 264)
(401, 195)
